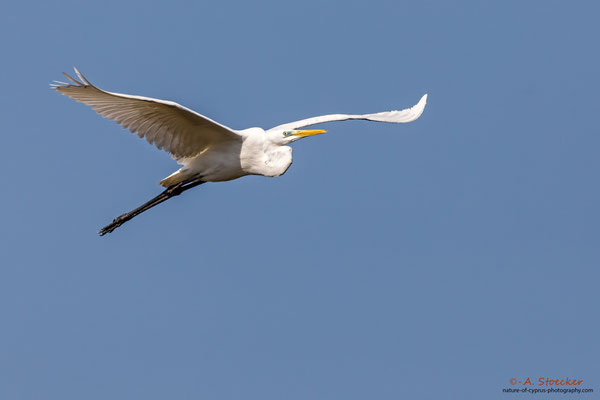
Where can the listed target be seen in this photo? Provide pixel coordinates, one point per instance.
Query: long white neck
(260, 156)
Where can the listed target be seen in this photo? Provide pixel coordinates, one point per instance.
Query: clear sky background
(437, 259)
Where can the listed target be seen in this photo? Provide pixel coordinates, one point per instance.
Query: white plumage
(209, 151)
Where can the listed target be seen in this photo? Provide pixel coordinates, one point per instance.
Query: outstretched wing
(165, 124)
(406, 115)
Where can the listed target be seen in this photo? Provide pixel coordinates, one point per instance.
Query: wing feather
(165, 124)
(397, 116)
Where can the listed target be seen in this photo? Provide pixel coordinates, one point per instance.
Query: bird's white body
(254, 154)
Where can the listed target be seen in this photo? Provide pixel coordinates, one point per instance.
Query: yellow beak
(306, 133)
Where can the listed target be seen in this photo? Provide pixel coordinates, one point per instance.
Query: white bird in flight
(207, 150)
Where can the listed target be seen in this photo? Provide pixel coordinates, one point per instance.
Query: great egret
(208, 151)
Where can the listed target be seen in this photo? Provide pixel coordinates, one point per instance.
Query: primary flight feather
(208, 151)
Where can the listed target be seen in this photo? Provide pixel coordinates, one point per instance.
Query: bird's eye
(287, 133)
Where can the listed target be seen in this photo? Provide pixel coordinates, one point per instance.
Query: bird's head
(289, 136)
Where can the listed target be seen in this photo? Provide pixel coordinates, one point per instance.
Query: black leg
(169, 192)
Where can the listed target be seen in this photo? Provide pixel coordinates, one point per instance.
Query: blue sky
(437, 259)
